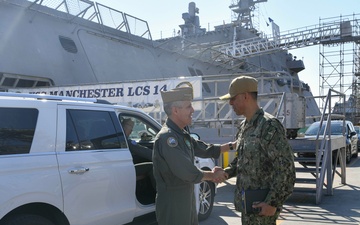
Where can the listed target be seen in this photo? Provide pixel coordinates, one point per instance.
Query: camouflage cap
(241, 85)
(177, 94)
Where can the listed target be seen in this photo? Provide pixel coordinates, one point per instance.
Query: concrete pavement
(343, 208)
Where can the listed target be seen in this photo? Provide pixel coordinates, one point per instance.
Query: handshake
(219, 175)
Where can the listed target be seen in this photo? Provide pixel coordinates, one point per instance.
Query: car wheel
(207, 193)
(28, 219)
(348, 154)
(355, 155)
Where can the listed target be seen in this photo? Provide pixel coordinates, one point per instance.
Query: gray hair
(169, 105)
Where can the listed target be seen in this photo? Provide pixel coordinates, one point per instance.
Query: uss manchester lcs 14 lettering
(107, 92)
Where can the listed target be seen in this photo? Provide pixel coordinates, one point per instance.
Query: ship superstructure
(92, 50)
(79, 42)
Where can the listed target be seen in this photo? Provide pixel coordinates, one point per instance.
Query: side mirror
(353, 133)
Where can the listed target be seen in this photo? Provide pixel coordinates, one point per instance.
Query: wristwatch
(231, 146)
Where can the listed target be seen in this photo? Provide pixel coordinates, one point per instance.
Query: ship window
(195, 72)
(199, 73)
(68, 44)
(192, 71)
(25, 83)
(8, 82)
(42, 84)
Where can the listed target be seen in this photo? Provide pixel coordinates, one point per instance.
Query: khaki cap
(241, 85)
(177, 94)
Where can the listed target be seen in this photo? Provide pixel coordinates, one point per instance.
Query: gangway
(322, 168)
(216, 122)
(347, 29)
(233, 55)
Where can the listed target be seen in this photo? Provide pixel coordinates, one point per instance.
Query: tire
(28, 219)
(348, 154)
(207, 193)
(356, 153)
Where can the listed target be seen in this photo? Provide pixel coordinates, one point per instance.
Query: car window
(336, 129)
(17, 129)
(142, 130)
(89, 129)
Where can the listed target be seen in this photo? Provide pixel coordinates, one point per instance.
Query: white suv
(66, 161)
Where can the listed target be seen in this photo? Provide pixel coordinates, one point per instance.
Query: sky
(165, 16)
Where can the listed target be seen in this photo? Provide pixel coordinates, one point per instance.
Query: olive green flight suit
(175, 174)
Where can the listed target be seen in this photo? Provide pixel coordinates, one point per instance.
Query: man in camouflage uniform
(173, 159)
(264, 157)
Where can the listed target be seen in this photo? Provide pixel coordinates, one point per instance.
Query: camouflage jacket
(264, 159)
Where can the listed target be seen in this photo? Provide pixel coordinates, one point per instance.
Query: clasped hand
(219, 175)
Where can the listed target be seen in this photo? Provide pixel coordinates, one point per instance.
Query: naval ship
(62, 43)
(48, 44)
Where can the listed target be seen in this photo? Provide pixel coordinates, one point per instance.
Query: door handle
(79, 170)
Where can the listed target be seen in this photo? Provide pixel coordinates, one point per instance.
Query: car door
(95, 165)
(144, 124)
(353, 137)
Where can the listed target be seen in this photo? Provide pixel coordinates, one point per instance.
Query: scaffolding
(339, 55)
(339, 65)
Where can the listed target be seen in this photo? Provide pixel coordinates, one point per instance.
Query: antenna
(242, 12)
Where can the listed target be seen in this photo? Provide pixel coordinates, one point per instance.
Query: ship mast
(242, 10)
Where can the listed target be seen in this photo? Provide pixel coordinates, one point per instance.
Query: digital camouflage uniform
(264, 160)
(175, 174)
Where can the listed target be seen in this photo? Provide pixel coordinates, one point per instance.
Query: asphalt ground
(343, 207)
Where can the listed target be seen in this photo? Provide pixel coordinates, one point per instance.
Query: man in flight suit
(173, 157)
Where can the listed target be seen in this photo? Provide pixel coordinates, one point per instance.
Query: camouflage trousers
(253, 219)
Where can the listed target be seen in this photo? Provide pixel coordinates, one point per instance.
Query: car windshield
(336, 129)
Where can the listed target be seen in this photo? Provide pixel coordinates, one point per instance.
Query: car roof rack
(47, 97)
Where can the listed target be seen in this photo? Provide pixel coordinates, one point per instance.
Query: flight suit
(264, 161)
(175, 174)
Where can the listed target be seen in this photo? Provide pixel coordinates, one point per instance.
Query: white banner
(142, 94)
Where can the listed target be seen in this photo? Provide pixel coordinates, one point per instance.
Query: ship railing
(324, 165)
(216, 114)
(274, 101)
(287, 103)
(220, 111)
(72, 10)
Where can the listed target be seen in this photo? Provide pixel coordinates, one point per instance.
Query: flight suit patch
(172, 142)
